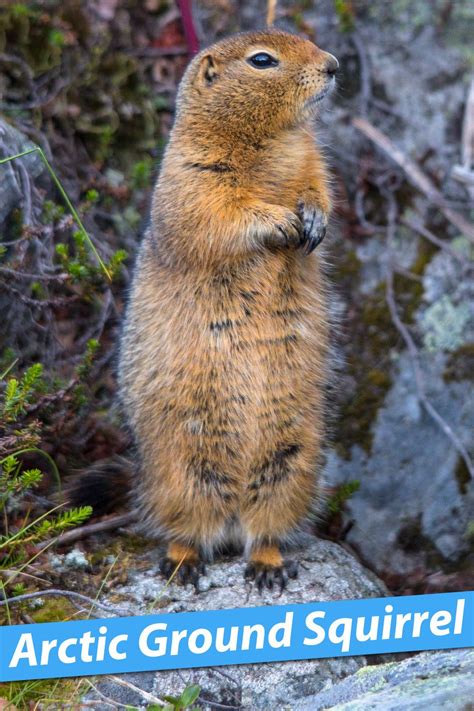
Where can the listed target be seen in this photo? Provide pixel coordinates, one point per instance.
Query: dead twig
(271, 12)
(415, 175)
(26, 70)
(38, 303)
(64, 593)
(60, 278)
(7, 573)
(465, 172)
(47, 400)
(144, 694)
(90, 529)
(156, 52)
(110, 702)
(424, 232)
(410, 344)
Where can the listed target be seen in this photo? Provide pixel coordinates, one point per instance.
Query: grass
(66, 199)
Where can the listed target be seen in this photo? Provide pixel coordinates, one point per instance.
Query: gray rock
(431, 680)
(327, 572)
(411, 501)
(11, 182)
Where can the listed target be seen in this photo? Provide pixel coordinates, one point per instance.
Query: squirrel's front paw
(283, 228)
(314, 226)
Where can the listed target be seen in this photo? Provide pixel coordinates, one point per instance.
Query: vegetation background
(93, 84)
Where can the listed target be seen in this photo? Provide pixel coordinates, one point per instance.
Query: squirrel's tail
(106, 486)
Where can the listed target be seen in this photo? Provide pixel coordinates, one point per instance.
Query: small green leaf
(189, 695)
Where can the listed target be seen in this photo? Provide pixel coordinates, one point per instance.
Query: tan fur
(224, 352)
(183, 554)
(267, 556)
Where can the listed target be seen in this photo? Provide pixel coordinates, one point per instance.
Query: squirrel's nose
(332, 65)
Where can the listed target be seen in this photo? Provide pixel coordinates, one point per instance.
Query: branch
(271, 12)
(90, 529)
(144, 694)
(68, 594)
(465, 172)
(416, 176)
(424, 232)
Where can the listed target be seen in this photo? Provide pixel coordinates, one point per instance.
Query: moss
(111, 100)
(339, 498)
(460, 364)
(469, 535)
(347, 269)
(409, 290)
(426, 251)
(373, 337)
(408, 294)
(125, 548)
(359, 413)
(54, 609)
(368, 364)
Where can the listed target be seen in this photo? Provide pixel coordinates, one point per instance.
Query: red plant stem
(188, 26)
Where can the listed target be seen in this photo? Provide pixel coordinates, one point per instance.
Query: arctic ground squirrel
(224, 352)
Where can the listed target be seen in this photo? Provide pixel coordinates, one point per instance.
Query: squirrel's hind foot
(271, 576)
(183, 564)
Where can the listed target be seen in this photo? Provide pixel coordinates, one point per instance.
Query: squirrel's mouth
(317, 98)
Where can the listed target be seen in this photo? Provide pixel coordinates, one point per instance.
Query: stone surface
(431, 680)
(11, 183)
(327, 572)
(412, 501)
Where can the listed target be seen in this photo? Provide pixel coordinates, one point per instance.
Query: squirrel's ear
(208, 69)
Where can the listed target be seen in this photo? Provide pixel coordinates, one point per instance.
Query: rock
(11, 184)
(327, 572)
(415, 498)
(431, 680)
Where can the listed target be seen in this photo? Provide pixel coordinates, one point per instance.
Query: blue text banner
(245, 635)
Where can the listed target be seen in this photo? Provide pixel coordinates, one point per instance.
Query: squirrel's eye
(262, 60)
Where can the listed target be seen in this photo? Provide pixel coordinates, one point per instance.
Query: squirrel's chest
(261, 299)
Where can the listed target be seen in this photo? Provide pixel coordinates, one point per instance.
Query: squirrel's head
(255, 83)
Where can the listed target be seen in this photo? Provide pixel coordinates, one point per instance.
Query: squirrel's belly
(226, 369)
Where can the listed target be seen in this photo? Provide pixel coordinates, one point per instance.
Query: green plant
(141, 173)
(179, 703)
(345, 14)
(336, 502)
(83, 236)
(15, 483)
(79, 266)
(18, 393)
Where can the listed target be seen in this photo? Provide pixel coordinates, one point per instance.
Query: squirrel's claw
(269, 576)
(291, 230)
(314, 227)
(188, 572)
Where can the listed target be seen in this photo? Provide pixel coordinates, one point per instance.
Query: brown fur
(224, 351)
